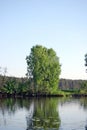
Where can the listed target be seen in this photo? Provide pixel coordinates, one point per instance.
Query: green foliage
(84, 87)
(85, 59)
(9, 87)
(23, 87)
(15, 86)
(44, 67)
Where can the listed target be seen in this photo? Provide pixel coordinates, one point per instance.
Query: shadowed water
(43, 114)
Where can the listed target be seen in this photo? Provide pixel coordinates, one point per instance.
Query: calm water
(43, 114)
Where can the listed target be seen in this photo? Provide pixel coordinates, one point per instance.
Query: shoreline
(39, 95)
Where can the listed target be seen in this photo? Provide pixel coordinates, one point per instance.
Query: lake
(43, 114)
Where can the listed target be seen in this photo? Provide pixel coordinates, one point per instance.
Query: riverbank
(23, 87)
(61, 94)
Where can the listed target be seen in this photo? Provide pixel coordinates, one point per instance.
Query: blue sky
(57, 24)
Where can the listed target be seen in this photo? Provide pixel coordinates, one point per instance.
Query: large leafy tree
(44, 68)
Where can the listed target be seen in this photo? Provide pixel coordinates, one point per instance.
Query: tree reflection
(38, 113)
(9, 107)
(44, 115)
(83, 103)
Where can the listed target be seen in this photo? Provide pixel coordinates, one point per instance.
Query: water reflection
(73, 114)
(40, 114)
(10, 105)
(83, 103)
(13, 113)
(44, 115)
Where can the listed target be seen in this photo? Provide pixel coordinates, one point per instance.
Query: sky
(57, 24)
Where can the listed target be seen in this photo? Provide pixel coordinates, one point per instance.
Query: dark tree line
(24, 87)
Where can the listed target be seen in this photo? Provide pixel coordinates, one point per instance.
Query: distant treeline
(68, 84)
(25, 87)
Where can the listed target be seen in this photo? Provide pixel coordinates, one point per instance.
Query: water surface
(43, 114)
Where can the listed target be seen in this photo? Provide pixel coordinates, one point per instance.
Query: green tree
(3, 72)
(44, 68)
(86, 60)
(9, 86)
